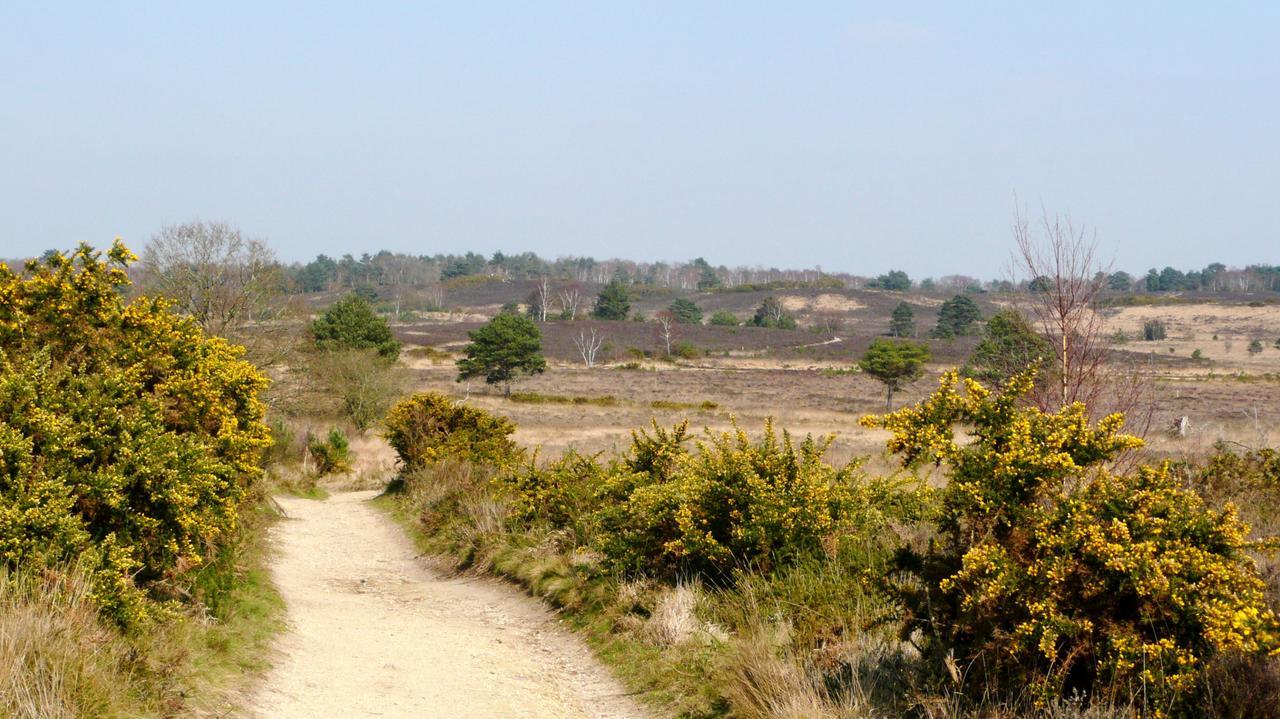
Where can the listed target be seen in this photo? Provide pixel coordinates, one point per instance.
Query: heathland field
(807, 381)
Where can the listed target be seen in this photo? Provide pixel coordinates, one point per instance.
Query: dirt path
(374, 632)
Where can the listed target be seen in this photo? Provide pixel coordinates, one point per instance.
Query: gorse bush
(1051, 571)
(728, 503)
(562, 494)
(428, 427)
(128, 438)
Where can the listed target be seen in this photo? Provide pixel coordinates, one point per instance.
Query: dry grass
(57, 659)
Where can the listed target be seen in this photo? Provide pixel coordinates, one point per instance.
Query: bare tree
(434, 294)
(589, 345)
(231, 285)
(542, 298)
(1065, 281)
(570, 298)
(1060, 262)
(666, 329)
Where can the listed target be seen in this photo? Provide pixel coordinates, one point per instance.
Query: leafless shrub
(1064, 282)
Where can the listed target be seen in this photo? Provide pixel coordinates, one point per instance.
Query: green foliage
(332, 453)
(1154, 331)
(1051, 572)
(562, 494)
(895, 280)
(351, 323)
(128, 438)
(686, 312)
(1119, 281)
(1009, 347)
(1250, 478)
(707, 278)
(1196, 354)
(957, 317)
(508, 347)
(771, 313)
(903, 322)
(606, 400)
(725, 318)
(896, 364)
(729, 503)
(1255, 347)
(363, 382)
(686, 350)
(613, 302)
(429, 427)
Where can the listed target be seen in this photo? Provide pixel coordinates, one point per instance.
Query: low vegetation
(130, 490)
(732, 575)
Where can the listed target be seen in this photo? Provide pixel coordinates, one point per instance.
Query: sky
(856, 136)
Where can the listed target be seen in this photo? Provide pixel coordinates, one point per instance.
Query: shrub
(686, 350)
(364, 383)
(772, 313)
(351, 323)
(332, 453)
(1154, 331)
(685, 312)
(1052, 572)
(1009, 345)
(730, 503)
(957, 316)
(1255, 347)
(562, 494)
(128, 438)
(724, 318)
(1232, 475)
(428, 427)
(1196, 354)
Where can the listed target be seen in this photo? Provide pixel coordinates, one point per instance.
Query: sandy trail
(375, 632)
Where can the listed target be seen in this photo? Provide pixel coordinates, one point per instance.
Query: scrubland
(785, 626)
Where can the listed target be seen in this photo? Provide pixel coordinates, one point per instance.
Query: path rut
(375, 632)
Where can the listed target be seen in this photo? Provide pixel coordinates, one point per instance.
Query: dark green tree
(707, 278)
(1120, 281)
(351, 323)
(896, 364)
(1009, 346)
(686, 312)
(957, 317)
(903, 323)
(895, 280)
(505, 349)
(613, 302)
(772, 313)
(1040, 284)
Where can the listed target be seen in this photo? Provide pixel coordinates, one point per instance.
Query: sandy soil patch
(374, 632)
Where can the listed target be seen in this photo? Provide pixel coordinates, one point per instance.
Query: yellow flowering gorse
(1055, 572)
(127, 436)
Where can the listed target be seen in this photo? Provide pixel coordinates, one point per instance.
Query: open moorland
(807, 380)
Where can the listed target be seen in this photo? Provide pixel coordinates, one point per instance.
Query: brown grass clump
(59, 659)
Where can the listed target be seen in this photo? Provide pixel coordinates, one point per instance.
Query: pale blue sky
(855, 136)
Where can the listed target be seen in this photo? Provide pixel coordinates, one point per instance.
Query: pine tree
(503, 350)
(903, 323)
(613, 302)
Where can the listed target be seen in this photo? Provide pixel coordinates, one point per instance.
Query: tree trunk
(888, 400)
